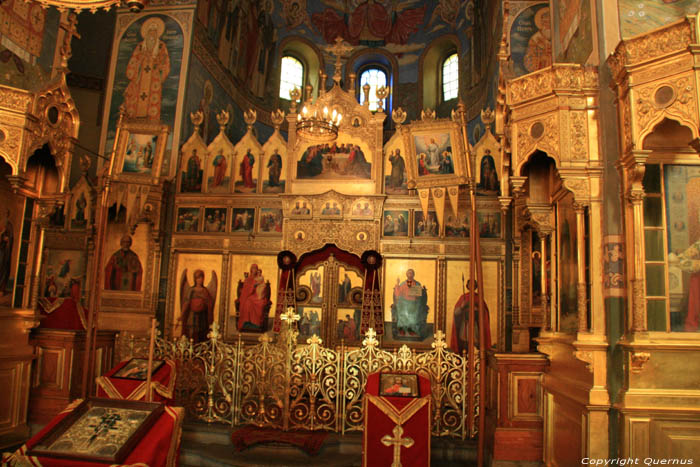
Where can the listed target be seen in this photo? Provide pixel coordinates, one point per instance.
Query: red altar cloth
(160, 446)
(62, 313)
(384, 414)
(162, 382)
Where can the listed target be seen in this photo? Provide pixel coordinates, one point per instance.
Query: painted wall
(639, 16)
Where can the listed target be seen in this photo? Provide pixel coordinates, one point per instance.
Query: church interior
(358, 232)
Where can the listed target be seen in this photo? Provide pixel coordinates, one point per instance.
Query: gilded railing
(287, 385)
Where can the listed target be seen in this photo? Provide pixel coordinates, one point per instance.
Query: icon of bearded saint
(148, 68)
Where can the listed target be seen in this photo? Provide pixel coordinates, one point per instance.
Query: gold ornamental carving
(540, 133)
(546, 81)
(17, 100)
(578, 149)
(579, 187)
(673, 38)
(680, 104)
(638, 360)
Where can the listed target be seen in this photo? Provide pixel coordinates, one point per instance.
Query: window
(450, 77)
(376, 78)
(292, 76)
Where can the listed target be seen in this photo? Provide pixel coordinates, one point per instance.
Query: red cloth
(62, 313)
(384, 414)
(162, 382)
(159, 447)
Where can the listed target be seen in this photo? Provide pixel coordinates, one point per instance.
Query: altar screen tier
(396, 428)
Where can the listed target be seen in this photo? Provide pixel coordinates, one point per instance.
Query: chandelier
(316, 123)
(93, 5)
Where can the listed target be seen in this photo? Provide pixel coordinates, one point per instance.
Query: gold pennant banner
(453, 193)
(439, 201)
(424, 196)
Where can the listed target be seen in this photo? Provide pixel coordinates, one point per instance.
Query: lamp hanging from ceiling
(316, 123)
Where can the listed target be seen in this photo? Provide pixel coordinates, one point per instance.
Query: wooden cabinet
(57, 379)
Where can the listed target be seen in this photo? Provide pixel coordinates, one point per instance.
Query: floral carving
(579, 142)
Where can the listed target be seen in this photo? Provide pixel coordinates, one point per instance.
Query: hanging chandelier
(94, 5)
(318, 124)
(313, 122)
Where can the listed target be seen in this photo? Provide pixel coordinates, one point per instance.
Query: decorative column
(580, 210)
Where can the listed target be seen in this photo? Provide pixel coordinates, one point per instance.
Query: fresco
(148, 62)
(253, 291)
(215, 219)
(64, 274)
(124, 258)
(425, 226)
(342, 160)
(396, 223)
(243, 220)
(370, 23)
(197, 296)
(187, 219)
(244, 36)
(574, 30)
(434, 154)
(566, 218)
(395, 173)
(10, 224)
(271, 220)
(409, 301)
(28, 35)
(456, 290)
(206, 94)
(531, 40)
(639, 16)
(682, 186)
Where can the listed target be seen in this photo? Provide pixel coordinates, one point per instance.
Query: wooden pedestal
(514, 417)
(16, 355)
(59, 371)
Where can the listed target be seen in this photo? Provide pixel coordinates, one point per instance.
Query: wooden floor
(210, 445)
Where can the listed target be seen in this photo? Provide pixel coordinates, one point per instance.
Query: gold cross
(339, 49)
(397, 441)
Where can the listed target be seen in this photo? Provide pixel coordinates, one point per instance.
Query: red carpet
(309, 441)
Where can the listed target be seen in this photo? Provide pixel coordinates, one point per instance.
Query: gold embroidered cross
(397, 441)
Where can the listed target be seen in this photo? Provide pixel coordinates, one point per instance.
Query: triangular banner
(439, 201)
(122, 189)
(453, 193)
(424, 196)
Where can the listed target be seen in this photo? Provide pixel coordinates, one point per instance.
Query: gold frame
(428, 128)
(125, 132)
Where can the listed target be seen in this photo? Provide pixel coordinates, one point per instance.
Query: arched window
(292, 76)
(376, 78)
(450, 77)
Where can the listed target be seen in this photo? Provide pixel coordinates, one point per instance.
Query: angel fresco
(198, 301)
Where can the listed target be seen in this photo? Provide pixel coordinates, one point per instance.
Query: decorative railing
(285, 385)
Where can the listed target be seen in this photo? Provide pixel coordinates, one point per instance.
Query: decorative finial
(66, 49)
(370, 339)
(427, 114)
(250, 116)
(85, 163)
(399, 116)
(339, 49)
(353, 77)
(439, 341)
(381, 93)
(294, 95)
(222, 117)
(365, 91)
(277, 118)
(197, 119)
(322, 83)
(309, 92)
